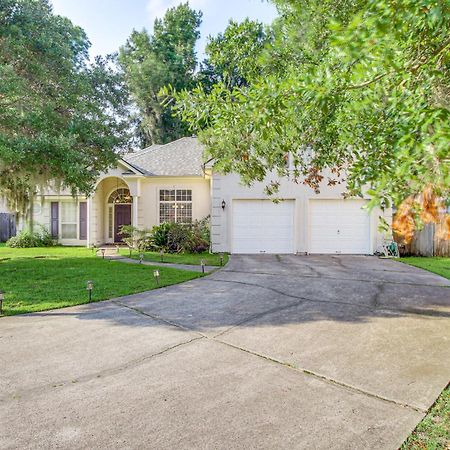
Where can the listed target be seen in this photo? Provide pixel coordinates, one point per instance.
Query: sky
(108, 23)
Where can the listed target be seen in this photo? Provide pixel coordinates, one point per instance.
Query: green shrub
(199, 237)
(178, 238)
(190, 238)
(169, 237)
(28, 239)
(160, 236)
(135, 238)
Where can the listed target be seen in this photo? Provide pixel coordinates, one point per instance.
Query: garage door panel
(263, 226)
(339, 226)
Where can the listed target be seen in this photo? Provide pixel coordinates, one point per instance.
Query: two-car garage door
(334, 226)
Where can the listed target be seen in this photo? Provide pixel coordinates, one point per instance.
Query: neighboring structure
(165, 183)
(429, 241)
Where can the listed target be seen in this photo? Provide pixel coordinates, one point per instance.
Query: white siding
(228, 188)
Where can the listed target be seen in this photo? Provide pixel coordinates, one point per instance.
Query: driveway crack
(326, 277)
(158, 318)
(324, 378)
(104, 373)
(378, 308)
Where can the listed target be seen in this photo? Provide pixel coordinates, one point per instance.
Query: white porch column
(135, 211)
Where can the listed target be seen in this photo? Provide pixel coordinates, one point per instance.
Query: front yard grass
(193, 259)
(40, 279)
(434, 431)
(438, 265)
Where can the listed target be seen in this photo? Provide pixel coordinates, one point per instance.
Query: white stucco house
(171, 183)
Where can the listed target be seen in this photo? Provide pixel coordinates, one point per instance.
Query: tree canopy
(150, 62)
(233, 57)
(62, 119)
(360, 87)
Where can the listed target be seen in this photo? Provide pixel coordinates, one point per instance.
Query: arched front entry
(119, 203)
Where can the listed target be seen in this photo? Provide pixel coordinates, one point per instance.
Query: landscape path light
(103, 252)
(202, 263)
(161, 255)
(221, 260)
(156, 275)
(141, 258)
(2, 296)
(90, 287)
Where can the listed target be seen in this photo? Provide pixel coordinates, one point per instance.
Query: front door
(122, 216)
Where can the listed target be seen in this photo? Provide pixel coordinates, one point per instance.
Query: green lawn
(439, 265)
(40, 279)
(434, 431)
(211, 259)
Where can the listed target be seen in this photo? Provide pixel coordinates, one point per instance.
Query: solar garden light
(156, 275)
(89, 287)
(202, 263)
(161, 255)
(2, 296)
(103, 252)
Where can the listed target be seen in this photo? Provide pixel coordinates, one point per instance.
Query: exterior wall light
(2, 297)
(156, 275)
(89, 288)
(223, 205)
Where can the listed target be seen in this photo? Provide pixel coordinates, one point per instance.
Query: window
(175, 205)
(68, 214)
(121, 195)
(110, 222)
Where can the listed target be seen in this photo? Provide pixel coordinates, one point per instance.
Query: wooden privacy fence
(7, 226)
(427, 242)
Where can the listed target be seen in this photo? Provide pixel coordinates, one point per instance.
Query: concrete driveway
(270, 352)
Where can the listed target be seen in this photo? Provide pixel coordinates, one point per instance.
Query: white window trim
(171, 188)
(77, 222)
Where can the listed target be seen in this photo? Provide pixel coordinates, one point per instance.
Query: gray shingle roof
(183, 157)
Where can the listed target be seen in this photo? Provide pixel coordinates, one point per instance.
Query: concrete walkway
(192, 268)
(270, 352)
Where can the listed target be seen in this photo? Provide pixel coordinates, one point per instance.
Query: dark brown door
(122, 217)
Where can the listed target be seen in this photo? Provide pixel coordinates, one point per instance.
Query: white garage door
(262, 226)
(339, 226)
